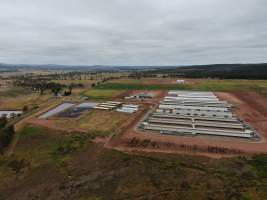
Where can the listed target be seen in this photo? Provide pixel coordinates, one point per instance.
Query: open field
(18, 103)
(105, 94)
(25, 71)
(70, 166)
(191, 84)
(15, 98)
(97, 122)
(13, 91)
(86, 83)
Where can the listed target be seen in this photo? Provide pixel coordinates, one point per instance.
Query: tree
(25, 109)
(6, 136)
(3, 122)
(71, 87)
(56, 88)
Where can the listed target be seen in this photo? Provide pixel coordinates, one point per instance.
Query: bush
(25, 109)
(3, 122)
(6, 136)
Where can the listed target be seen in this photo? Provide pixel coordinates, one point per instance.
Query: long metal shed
(197, 123)
(197, 108)
(194, 131)
(203, 118)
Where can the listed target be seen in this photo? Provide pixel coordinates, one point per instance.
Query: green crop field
(103, 94)
(49, 164)
(200, 85)
(136, 86)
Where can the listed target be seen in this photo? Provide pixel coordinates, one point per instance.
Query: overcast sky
(133, 32)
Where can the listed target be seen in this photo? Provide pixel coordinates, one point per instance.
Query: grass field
(103, 122)
(97, 122)
(19, 102)
(138, 86)
(50, 164)
(15, 98)
(68, 82)
(197, 84)
(103, 94)
(13, 91)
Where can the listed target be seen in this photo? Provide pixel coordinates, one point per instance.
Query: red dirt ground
(249, 106)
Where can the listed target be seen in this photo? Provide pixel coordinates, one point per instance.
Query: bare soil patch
(250, 107)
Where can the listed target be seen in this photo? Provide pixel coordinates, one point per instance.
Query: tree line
(41, 85)
(222, 71)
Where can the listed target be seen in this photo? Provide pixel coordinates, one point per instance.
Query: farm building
(108, 105)
(128, 108)
(10, 114)
(192, 113)
(142, 95)
(179, 81)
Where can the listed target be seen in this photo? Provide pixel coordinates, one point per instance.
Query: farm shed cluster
(128, 108)
(192, 113)
(108, 105)
(10, 114)
(142, 95)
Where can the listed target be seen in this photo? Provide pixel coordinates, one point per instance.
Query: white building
(9, 114)
(179, 81)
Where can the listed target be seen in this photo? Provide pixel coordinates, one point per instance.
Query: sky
(133, 32)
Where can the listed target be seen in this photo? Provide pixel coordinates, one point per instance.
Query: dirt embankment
(251, 108)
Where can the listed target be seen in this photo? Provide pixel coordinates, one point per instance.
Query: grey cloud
(126, 32)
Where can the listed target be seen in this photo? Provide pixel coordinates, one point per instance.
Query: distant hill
(80, 67)
(224, 71)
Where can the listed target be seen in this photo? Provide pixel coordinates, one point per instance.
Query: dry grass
(97, 122)
(145, 81)
(106, 121)
(17, 103)
(67, 82)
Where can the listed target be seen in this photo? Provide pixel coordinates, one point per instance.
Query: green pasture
(202, 85)
(102, 94)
